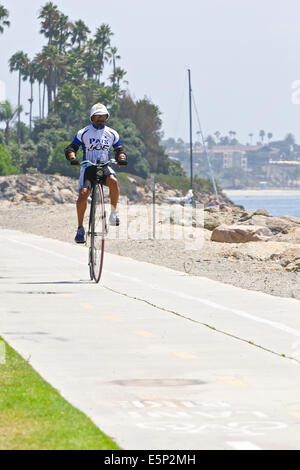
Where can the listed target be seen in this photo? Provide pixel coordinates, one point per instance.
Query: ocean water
(275, 205)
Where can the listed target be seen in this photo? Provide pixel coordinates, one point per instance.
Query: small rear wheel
(97, 231)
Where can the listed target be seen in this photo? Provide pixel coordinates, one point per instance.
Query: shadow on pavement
(56, 282)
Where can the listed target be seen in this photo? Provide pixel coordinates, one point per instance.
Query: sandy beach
(231, 193)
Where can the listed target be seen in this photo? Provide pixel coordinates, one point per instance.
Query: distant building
(229, 156)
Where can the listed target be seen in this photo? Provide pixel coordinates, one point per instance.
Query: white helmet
(98, 109)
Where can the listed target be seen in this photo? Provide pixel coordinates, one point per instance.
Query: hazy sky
(244, 56)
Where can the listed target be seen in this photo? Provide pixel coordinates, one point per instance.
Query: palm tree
(218, 135)
(30, 74)
(19, 63)
(262, 135)
(102, 41)
(54, 65)
(3, 18)
(269, 135)
(232, 134)
(251, 137)
(113, 52)
(40, 76)
(118, 76)
(79, 33)
(64, 31)
(89, 59)
(50, 16)
(290, 139)
(8, 114)
(210, 141)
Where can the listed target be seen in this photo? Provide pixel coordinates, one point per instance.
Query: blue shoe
(114, 219)
(80, 235)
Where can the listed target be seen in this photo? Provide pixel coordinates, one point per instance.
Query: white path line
(243, 445)
(241, 313)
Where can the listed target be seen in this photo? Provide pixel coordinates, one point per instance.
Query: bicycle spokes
(98, 232)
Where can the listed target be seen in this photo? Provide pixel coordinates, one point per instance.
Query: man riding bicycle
(96, 141)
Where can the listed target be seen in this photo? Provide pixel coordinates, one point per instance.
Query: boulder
(210, 222)
(278, 225)
(262, 212)
(291, 218)
(294, 266)
(246, 216)
(37, 199)
(240, 234)
(275, 224)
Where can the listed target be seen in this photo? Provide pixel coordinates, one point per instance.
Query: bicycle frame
(96, 254)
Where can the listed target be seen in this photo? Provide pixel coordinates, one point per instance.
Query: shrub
(6, 165)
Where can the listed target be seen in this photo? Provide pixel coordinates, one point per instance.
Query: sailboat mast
(191, 131)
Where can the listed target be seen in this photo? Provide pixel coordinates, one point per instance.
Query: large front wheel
(98, 231)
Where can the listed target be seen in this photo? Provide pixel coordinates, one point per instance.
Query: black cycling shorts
(88, 176)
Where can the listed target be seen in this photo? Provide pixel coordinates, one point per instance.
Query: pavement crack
(185, 317)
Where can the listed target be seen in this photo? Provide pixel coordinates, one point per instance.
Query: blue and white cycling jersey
(96, 142)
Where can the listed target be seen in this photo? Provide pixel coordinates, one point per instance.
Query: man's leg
(114, 190)
(81, 204)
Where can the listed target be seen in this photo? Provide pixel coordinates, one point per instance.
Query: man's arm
(121, 156)
(70, 153)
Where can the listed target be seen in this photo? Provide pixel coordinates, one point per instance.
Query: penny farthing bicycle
(97, 221)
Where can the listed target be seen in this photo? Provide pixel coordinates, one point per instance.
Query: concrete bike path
(139, 355)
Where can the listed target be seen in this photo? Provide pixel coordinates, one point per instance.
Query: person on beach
(96, 140)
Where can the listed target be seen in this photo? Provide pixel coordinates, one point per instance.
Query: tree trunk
(40, 103)
(44, 92)
(7, 133)
(114, 72)
(19, 104)
(31, 101)
(49, 91)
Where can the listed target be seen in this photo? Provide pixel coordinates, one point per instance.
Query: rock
(246, 215)
(260, 220)
(225, 208)
(67, 195)
(17, 198)
(291, 218)
(3, 186)
(211, 209)
(132, 180)
(285, 262)
(262, 212)
(210, 223)
(275, 224)
(9, 194)
(37, 199)
(240, 233)
(294, 266)
(35, 189)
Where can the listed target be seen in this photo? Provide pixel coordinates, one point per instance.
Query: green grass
(123, 179)
(34, 416)
(183, 183)
(176, 182)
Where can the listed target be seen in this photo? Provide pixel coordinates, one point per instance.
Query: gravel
(232, 264)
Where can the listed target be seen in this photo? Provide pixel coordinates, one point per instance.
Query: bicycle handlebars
(87, 163)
